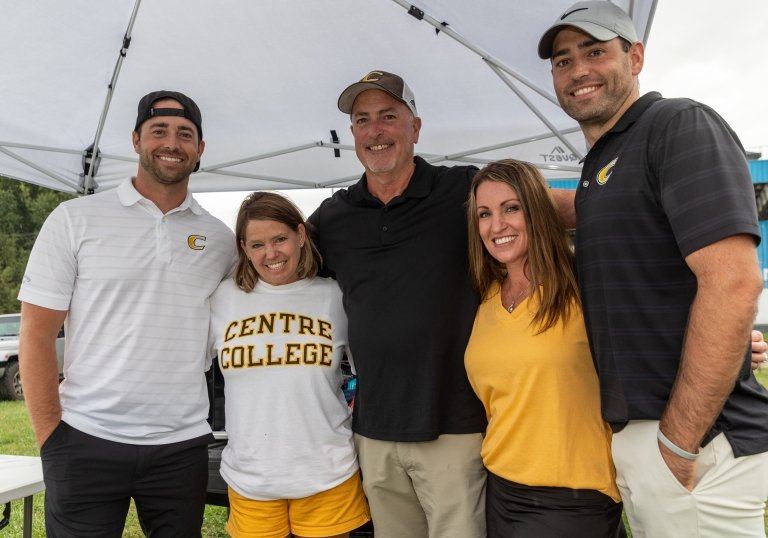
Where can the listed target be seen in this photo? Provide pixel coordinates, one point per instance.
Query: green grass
(762, 376)
(16, 438)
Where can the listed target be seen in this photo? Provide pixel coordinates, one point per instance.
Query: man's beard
(162, 176)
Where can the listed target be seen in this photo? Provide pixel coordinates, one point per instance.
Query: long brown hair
(271, 206)
(549, 261)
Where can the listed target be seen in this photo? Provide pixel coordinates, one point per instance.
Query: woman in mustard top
(547, 449)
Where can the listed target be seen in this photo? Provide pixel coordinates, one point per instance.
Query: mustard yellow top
(542, 399)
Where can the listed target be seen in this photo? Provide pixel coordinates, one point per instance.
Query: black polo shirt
(667, 180)
(404, 273)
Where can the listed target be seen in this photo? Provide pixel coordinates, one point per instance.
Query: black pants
(517, 511)
(90, 481)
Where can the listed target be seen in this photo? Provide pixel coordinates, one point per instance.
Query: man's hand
(565, 202)
(683, 469)
(759, 349)
(38, 367)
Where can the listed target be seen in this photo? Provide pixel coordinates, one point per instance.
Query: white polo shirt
(136, 284)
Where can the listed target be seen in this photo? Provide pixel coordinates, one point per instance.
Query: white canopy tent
(266, 76)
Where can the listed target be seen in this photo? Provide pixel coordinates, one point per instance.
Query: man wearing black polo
(396, 241)
(665, 244)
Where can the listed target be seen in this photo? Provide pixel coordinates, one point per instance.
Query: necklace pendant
(516, 298)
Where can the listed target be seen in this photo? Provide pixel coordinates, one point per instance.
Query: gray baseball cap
(393, 84)
(601, 19)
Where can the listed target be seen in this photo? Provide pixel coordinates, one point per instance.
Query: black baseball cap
(189, 110)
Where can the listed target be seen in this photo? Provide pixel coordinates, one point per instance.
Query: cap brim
(348, 96)
(547, 40)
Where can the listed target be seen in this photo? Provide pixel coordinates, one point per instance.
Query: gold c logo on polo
(605, 173)
(196, 242)
(373, 76)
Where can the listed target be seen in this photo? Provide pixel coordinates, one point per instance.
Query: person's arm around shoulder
(721, 317)
(565, 201)
(313, 222)
(39, 368)
(759, 349)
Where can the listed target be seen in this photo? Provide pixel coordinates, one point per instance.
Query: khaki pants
(433, 489)
(728, 500)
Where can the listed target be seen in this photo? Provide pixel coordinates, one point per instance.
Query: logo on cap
(370, 76)
(572, 12)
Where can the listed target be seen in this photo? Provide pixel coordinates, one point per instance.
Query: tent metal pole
(554, 167)
(40, 148)
(261, 156)
(88, 181)
(338, 181)
(447, 30)
(297, 182)
(511, 143)
(649, 23)
(336, 145)
(537, 112)
(40, 169)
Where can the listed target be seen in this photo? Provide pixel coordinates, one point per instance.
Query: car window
(9, 326)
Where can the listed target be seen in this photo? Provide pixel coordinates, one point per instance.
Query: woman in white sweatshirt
(280, 333)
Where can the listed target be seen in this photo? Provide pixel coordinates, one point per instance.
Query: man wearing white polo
(129, 273)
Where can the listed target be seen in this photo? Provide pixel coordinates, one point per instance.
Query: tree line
(23, 209)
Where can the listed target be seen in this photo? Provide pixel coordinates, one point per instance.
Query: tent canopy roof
(267, 75)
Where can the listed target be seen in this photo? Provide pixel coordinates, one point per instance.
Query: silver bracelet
(676, 449)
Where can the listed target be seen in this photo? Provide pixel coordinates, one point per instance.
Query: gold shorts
(335, 511)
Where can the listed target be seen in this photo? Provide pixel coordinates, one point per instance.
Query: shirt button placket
(386, 236)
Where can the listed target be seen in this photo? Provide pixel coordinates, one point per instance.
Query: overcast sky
(714, 52)
(708, 50)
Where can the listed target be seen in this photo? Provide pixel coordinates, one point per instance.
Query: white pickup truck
(10, 380)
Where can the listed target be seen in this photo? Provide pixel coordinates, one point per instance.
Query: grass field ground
(16, 438)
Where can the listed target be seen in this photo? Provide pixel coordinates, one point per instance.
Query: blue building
(759, 171)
